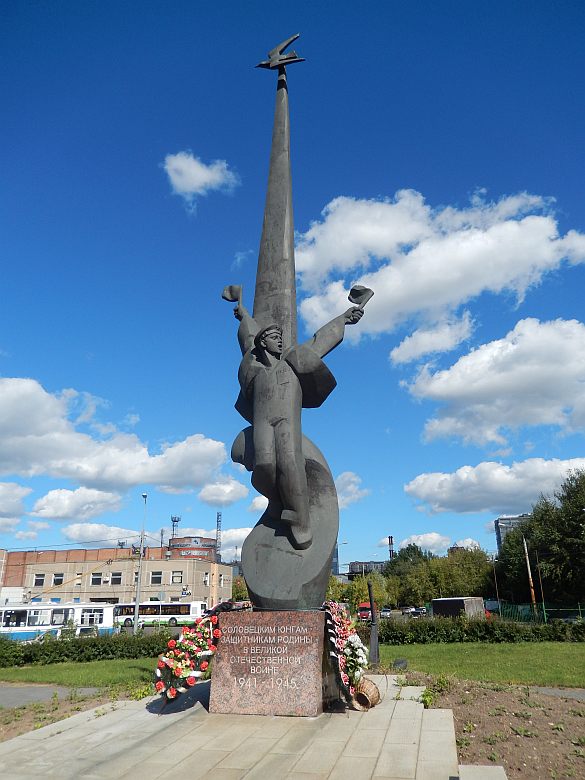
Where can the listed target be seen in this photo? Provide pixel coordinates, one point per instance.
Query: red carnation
(160, 686)
(171, 643)
(191, 681)
(204, 665)
(216, 633)
(212, 647)
(214, 619)
(161, 664)
(172, 692)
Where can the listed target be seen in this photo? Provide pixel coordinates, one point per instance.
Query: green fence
(541, 613)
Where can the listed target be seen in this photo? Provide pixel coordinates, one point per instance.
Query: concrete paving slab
(413, 692)
(14, 695)
(482, 773)
(131, 740)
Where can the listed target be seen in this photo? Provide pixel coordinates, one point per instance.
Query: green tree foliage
(239, 589)
(336, 590)
(358, 590)
(555, 536)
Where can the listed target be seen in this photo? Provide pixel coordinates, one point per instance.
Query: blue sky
(437, 153)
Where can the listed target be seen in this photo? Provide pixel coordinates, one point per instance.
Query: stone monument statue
(286, 559)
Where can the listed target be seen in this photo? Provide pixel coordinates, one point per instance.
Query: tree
(405, 560)
(239, 589)
(358, 590)
(336, 590)
(555, 537)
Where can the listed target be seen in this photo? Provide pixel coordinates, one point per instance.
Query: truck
(470, 606)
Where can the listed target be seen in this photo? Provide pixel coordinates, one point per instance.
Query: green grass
(525, 663)
(96, 674)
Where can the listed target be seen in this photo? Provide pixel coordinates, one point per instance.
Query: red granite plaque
(269, 663)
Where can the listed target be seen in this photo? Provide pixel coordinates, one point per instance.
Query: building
(360, 568)
(504, 524)
(184, 571)
(335, 561)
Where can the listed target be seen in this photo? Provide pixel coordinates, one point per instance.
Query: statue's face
(272, 342)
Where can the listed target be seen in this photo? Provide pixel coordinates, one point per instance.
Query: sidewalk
(396, 739)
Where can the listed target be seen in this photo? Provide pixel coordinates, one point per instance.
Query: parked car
(419, 611)
(363, 611)
(407, 610)
(386, 612)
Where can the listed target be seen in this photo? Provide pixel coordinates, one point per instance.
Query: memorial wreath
(346, 650)
(187, 658)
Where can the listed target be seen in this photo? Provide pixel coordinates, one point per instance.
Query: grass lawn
(95, 674)
(525, 663)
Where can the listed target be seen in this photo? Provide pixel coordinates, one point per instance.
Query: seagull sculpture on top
(276, 57)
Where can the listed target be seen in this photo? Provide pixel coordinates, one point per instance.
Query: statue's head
(270, 339)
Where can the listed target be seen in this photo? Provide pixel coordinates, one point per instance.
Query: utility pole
(532, 596)
(138, 581)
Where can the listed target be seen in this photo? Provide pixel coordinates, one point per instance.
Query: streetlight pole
(138, 580)
(532, 596)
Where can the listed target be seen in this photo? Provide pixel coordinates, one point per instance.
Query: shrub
(462, 629)
(51, 651)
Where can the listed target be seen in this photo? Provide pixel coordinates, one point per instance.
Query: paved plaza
(133, 739)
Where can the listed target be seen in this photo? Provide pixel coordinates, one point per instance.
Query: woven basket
(366, 694)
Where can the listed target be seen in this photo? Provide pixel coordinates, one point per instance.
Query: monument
(286, 559)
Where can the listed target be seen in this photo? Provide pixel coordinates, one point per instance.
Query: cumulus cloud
(349, 490)
(533, 376)
(259, 504)
(190, 177)
(8, 524)
(99, 534)
(25, 535)
(468, 543)
(426, 263)
(83, 504)
(490, 486)
(11, 496)
(443, 337)
(223, 492)
(37, 437)
(38, 525)
(231, 538)
(431, 541)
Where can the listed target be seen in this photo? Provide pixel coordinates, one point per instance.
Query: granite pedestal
(271, 663)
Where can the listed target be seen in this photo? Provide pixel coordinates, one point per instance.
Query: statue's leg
(264, 473)
(292, 482)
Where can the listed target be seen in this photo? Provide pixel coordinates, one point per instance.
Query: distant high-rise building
(335, 561)
(506, 523)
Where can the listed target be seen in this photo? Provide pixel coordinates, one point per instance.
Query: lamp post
(138, 580)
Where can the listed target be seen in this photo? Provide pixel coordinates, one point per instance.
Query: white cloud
(99, 535)
(432, 541)
(11, 495)
(82, 504)
(468, 543)
(492, 487)
(348, 489)
(8, 524)
(38, 438)
(191, 178)
(223, 492)
(230, 539)
(424, 263)
(38, 525)
(25, 535)
(259, 504)
(443, 337)
(533, 376)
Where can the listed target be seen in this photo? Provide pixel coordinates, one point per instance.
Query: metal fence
(541, 612)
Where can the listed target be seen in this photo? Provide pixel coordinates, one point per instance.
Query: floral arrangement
(186, 658)
(347, 652)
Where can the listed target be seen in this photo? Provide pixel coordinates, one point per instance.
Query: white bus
(36, 618)
(157, 613)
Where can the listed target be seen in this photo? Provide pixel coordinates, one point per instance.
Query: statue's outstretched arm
(331, 335)
(248, 328)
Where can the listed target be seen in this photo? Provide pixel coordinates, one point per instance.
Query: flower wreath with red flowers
(186, 658)
(349, 656)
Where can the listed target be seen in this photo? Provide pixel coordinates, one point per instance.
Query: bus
(160, 613)
(35, 619)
